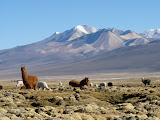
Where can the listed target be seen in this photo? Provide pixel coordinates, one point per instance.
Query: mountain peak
(85, 29)
(151, 33)
(81, 28)
(127, 32)
(56, 33)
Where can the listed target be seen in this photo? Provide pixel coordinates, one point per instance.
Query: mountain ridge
(76, 44)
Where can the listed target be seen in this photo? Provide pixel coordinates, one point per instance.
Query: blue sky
(27, 21)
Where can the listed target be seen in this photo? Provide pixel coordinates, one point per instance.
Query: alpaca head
(85, 81)
(23, 69)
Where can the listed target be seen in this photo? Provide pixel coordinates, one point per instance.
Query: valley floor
(127, 99)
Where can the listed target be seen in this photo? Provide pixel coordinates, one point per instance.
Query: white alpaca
(91, 84)
(60, 84)
(103, 84)
(96, 85)
(43, 85)
(19, 83)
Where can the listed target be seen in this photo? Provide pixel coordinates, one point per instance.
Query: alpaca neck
(25, 76)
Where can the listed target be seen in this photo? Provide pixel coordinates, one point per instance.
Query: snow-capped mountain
(72, 45)
(71, 34)
(89, 41)
(151, 33)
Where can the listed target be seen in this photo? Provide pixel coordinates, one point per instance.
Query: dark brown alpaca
(30, 82)
(1, 87)
(74, 83)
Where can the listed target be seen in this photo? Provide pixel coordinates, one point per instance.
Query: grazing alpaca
(146, 81)
(110, 84)
(19, 83)
(102, 84)
(43, 85)
(91, 84)
(30, 82)
(83, 82)
(96, 85)
(1, 87)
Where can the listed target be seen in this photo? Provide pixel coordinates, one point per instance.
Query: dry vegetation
(128, 99)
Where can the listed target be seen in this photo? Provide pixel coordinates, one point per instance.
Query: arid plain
(127, 99)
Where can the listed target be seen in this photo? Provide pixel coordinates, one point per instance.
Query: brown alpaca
(30, 82)
(85, 81)
(1, 87)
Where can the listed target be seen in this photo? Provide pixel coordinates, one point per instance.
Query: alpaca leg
(43, 88)
(34, 87)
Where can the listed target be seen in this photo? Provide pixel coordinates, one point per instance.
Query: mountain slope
(142, 58)
(132, 38)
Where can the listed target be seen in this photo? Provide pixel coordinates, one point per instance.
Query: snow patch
(81, 28)
(57, 33)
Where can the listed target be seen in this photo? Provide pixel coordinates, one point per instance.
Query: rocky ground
(119, 102)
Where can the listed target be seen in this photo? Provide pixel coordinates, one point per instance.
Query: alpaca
(146, 81)
(60, 84)
(83, 82)
(102, 84)
(110, 84)
(30, 82)
(1, 87)
(43, 85)
(91, 84)
(96, 85)
(19, 83)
